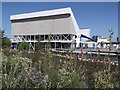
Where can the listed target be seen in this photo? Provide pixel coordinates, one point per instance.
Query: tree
(4, 41)
(1, 38)
(24, 46)
(2, 33)
(39, 45)
(48, 44)
(49, 41)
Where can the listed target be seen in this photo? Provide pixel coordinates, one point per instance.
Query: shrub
(5, 42)
(14, 72)
(48, 71)
(24, 46)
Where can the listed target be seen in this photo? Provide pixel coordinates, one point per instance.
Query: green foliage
(6, 43)
(39, 46)
(24, 46)
(14, 71)
(2, 33)
(103, 80)
(47, 71)
(48, 44)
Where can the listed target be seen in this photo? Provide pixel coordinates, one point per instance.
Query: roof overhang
(40, 14)
(87, 37)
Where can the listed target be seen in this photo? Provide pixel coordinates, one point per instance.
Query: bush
(24, 46)
(14, 71)
(5, 42)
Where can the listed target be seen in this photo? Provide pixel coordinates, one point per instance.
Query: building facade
(59, 23)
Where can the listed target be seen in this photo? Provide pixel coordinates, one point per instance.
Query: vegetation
(24, 46)
(39, 45)
(4, 41)
(44, 70)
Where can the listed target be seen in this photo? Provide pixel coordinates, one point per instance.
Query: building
(59, 23)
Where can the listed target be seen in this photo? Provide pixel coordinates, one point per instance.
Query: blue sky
(98, 16)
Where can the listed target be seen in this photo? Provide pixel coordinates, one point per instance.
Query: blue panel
(83, 39)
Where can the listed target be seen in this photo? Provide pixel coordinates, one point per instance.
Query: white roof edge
(74, 22)
(41, 13)
(85, 31)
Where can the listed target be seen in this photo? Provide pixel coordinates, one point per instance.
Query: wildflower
(60, 60)
(64, 61)
(46, 76)
(80, 59)
(117, 64)
(37, 78)
(113, 63)
(42, 53)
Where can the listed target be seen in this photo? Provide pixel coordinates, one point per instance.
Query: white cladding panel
(53, 26)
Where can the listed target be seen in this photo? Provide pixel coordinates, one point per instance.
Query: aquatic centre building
(59, 23)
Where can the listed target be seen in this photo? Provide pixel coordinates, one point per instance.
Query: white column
(44, 37)
(30, 38)
(34, 38)
(34, 46)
